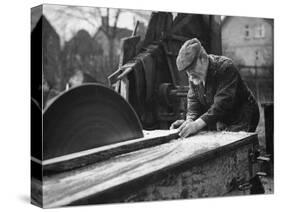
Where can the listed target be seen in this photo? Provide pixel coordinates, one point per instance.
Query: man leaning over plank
(218, 98)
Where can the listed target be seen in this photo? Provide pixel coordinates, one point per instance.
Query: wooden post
(128, 51)
(215, 34)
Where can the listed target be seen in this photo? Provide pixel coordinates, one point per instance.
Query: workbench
(204, 165)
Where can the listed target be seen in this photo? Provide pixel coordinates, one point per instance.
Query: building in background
(249, 42)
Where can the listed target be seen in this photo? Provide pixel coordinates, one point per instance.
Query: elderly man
(218, 98)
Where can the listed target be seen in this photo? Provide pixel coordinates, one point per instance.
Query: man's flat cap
(188, 53)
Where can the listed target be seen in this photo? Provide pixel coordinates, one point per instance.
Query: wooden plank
(209, 177)
(129, 45)
(83, 158)
(68, 187)
(128, 49)
(135, 28)
(36, 192)
(112, 79)
(172, 70)
(124, 88)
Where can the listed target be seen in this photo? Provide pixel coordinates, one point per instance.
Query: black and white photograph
(133, 105)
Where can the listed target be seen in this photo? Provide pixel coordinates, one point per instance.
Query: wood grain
(67, 187)
(83, 158)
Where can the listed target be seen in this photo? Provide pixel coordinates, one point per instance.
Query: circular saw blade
(87, 117)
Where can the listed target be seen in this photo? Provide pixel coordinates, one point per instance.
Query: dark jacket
(225, 102)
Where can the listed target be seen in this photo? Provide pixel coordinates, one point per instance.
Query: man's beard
(195, 81)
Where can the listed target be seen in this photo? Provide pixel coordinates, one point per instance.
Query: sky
(67, 20)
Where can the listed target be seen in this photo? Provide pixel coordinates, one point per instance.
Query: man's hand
(178, 123)
(191, 127)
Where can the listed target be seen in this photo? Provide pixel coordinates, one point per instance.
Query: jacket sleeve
(193, 105)
(227, 79)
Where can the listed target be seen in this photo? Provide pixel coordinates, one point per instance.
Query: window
(259, 31)
(257, 55)
(247, 32)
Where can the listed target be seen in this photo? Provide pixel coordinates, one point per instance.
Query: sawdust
(124, 168)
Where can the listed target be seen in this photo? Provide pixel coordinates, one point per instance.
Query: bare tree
(69, 22)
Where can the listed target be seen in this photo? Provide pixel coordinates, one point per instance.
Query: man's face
(197, 72)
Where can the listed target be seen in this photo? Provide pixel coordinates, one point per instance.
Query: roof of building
(228, 18)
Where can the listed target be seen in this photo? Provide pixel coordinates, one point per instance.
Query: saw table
(208, 164)
(94, 150)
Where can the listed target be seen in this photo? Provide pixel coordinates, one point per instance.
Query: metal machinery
(148, 77)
